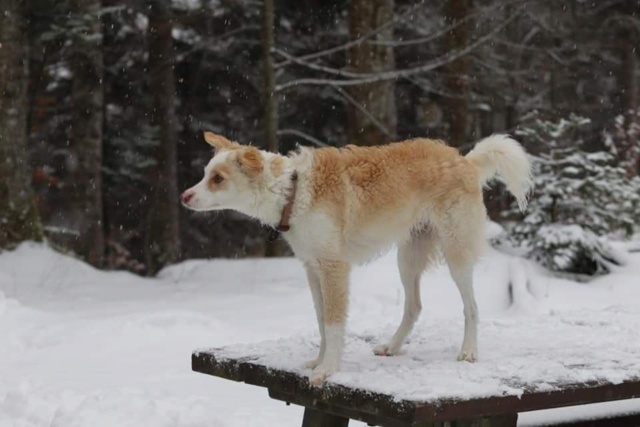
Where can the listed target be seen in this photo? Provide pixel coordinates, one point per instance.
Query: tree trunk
(86, 132)
(269, 97)
(630, 99)
(162, 234)
(511, 98)
(371, 113)
(457, 80)
(270, 101)
(19, 219)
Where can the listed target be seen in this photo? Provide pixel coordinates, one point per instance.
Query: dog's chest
(313, 236)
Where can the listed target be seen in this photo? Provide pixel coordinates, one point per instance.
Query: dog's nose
(186, 196)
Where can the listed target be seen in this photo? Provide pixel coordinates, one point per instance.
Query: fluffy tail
(504, 156)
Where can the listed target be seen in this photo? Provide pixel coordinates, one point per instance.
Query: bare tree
(163, 232)
(86, 131)
(348, 78)
(19, 219)
(371, 116)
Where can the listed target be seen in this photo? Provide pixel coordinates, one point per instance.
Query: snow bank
(82, 347)
(104, 409)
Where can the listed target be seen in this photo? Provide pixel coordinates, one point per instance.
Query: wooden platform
(526, 363)
(335, 404)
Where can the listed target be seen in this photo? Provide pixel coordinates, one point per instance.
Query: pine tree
(579, 197)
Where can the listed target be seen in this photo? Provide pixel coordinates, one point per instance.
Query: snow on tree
(579, 199)
(624, 141)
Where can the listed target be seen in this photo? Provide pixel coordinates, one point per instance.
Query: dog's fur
(354, 203)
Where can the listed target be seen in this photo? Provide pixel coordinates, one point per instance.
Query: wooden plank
(510, 420)
(227, 369)
(366, 403)
(315, 418)
(376, 408)
(570, 395)
(629, 420)
(373, 419)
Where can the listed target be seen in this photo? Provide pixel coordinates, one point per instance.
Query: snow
(81, 347)
(578, 347)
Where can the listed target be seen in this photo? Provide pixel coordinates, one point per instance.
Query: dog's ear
(251, 161)
(218, 142)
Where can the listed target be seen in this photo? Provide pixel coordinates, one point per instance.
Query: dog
(339, 207)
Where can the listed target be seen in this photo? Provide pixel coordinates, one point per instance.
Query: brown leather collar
(288, 208)
(286, 211)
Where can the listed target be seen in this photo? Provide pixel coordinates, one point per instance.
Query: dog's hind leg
(414, 257)
(313, 276)
(461, 250)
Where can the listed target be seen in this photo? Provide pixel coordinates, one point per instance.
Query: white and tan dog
(340, 207)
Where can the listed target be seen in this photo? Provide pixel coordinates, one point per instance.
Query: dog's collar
(284, 226)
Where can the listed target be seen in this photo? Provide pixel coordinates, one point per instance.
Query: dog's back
(378, 195)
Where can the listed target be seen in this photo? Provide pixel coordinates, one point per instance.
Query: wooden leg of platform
(510, 420)
(315, 418)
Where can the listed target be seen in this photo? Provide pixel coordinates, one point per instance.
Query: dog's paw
(320, 374)
(312, 364)
(385, 350)
(468, 356)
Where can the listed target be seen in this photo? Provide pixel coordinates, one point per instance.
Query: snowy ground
(80, 347)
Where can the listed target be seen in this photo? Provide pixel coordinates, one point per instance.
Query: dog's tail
(504, 156)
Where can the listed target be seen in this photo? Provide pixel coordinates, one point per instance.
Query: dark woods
(102, 102)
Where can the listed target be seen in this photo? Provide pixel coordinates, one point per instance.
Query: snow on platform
(518, 355)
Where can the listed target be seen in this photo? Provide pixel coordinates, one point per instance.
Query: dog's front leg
(334, 284)
(313, 276)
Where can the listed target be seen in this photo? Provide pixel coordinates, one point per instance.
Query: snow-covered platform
(527, 363)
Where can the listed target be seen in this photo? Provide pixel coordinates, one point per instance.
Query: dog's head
(232, 178)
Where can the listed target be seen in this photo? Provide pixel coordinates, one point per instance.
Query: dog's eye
(217, 179)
